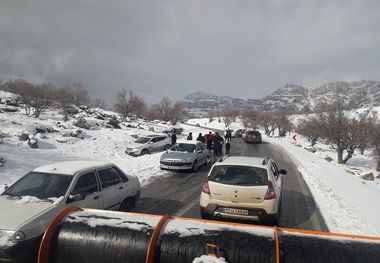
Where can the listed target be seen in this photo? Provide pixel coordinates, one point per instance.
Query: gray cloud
(170, 48)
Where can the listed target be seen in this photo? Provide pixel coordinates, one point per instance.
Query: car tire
(127, 205)
(144, 151)
(195, 167)
(205, 216)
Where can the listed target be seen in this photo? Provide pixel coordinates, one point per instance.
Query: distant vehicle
(28, 206)
(148, 144)
(185, 155)
(238, 133)
(247, 188)
(253, 136)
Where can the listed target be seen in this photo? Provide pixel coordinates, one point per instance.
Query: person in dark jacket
(218, 142)
(209, 139)
(174, 138)
(200, 138)
(190, 136)
(228, 138)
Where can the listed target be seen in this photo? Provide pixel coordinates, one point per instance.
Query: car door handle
(96, 197)
(121, 187)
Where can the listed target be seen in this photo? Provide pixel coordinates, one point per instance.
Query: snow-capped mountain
(357, 94)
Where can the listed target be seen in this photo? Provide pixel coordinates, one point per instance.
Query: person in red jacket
(209, 139)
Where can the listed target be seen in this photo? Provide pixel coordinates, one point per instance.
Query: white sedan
(28, 206)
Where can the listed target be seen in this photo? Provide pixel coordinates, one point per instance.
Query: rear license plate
(235, 211)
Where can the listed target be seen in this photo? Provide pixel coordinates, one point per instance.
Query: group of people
(214, 141)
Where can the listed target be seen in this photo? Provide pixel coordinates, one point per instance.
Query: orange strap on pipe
(277, 244)
(44, 250)
(153, 240)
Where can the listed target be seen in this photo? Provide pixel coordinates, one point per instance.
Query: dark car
(253, 137)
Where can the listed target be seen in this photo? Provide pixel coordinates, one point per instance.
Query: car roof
(155, 135)
(71, 167)
(189, 142)
(243, 160)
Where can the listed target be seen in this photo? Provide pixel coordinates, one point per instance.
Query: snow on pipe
(86, 235)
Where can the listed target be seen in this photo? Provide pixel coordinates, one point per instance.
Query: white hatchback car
(28, 206)
(247, 188)
(148, 144)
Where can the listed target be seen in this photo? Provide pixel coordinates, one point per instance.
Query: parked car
(28, 206)
(253, 136)
(247, 188)
(238, 133)
(185, 155)
(148, 144)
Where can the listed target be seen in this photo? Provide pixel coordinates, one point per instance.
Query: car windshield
(40, 185)
(142, 140)
(184, 147)
(239, 175)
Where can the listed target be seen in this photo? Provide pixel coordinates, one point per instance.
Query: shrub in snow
(44, 128)
(81, 123)
(368, 177)
(328, 158)
(76, 133)
(310, 149)
(23, 136)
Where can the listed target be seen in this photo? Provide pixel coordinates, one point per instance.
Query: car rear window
(239, 175)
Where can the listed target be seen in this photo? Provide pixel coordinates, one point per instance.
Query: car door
(153, 145)
(201, 153)
(113, 189)
(87, 185)
(277, 179)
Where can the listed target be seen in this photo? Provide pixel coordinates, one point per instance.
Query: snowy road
(178, 195)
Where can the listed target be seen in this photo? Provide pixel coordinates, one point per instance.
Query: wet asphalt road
(178, 194)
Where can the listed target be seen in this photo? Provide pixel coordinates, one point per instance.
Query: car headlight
(11, 236)
(136, 150)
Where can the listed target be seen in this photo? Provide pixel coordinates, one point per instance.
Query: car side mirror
(282, 171)
(6, 187)
(75, 197)
(150, 142)
(199, 151)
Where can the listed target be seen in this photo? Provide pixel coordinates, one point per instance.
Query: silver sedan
(185, 155)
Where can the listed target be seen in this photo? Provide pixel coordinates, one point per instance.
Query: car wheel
(195, 167)
(144, 151)
(205, 216)
(127, 205)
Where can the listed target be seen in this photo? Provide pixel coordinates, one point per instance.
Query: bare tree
(99, 103)
(311, 128)
(127, 103)
(42, 98)
(80, 95)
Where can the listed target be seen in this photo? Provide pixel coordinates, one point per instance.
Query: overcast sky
(246, 48)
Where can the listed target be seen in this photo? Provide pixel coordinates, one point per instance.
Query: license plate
(235, 211)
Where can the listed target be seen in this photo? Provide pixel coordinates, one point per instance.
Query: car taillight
(271, 193)
(205, 188)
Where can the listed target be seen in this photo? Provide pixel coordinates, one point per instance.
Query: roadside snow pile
(348, 203)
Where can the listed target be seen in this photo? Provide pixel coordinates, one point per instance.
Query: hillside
(358, 94)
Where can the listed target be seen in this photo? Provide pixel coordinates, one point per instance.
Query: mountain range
(357, 94)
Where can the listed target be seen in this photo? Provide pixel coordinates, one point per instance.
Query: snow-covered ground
(348, 203)
(96, 143)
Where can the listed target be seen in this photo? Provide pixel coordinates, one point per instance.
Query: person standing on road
(218, 142)
(190, 136)
(200, 138)
(209, 139)
(228, 138)
(174, 138)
